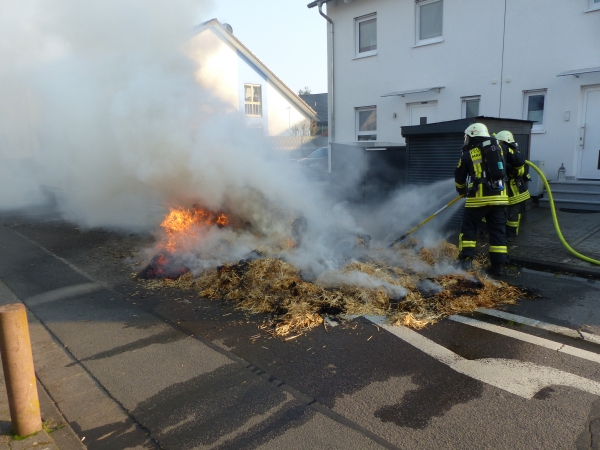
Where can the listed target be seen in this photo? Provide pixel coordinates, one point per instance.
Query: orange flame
(182, 224)
(223, 220)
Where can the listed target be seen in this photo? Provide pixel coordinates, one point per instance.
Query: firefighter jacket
(469, 179)
(518, 176)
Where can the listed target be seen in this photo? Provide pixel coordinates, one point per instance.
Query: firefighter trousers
(514, 220)
(495, 219)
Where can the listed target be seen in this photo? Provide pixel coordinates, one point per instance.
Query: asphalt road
(190, 373)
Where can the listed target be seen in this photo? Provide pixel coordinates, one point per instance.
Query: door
(590, 135)
(423, 113)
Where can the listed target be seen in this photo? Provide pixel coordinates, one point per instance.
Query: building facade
(407, 62)
(318, 102)
(241, 80)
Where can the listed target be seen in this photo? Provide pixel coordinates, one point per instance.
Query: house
(318, 102)
(239, 78)
(407, 62)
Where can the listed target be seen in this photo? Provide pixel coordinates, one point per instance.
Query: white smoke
(102, 112)
(360, 279)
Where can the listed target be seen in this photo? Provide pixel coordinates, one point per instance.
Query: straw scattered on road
(276, 287)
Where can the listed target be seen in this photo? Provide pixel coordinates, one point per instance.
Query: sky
(284, 34)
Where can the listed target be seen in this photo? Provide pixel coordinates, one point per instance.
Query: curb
(546, 266)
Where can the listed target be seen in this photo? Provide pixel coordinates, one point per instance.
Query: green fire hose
(556, 226)
(427, 220)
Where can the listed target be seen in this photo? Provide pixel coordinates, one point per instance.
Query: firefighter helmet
(506, 136)
(477, 129)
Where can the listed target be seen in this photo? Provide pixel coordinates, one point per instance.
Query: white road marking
(520, 378)
(584, 354)
(594, 338)
(531, 322)
(591, 337)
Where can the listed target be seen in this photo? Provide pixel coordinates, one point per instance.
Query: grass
(17, 437)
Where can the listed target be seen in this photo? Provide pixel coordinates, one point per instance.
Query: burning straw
(409, 297)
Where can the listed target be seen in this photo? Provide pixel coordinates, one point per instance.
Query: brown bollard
(19, 374)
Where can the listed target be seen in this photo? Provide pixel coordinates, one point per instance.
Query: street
(186, 373)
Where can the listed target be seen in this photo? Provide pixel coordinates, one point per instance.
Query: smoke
(106, 107)
(103, 114)
(360, 279)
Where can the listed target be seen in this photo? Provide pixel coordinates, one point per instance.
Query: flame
(288, 243)
(182, 224)
(222, 220)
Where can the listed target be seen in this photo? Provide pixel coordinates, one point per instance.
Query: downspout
(502, 64)
(330, 86)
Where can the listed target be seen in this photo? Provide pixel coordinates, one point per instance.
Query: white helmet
(506, 136)
(477, 129)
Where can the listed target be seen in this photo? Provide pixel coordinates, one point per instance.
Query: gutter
(316, 3)
(330, 87)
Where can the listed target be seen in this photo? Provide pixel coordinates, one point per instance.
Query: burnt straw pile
(163, 266)
(412, 294)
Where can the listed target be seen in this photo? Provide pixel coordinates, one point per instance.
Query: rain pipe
(331, 119)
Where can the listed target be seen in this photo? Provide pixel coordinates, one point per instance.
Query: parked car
(315, 164)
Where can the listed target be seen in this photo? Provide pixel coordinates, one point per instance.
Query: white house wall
(282, 113)
(225, 69)
(217, 66)
(544, 38)
(564, 38)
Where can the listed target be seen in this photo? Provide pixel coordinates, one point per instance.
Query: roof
(516, 126)
(236, 43)
(318, 102)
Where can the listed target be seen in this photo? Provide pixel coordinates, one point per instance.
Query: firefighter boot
(465, 263)
(498, 270)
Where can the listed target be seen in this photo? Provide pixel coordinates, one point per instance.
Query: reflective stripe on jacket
(517, 177)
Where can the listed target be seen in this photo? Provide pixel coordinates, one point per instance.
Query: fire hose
(427, 220)
(555, 220)
(552, 208)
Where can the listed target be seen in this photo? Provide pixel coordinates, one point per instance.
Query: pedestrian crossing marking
(547, 343)
(524, 379)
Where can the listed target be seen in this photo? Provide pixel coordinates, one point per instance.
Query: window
(366, 124)
(470, 107)
(253, 99)
(533, 109)
(430, 14)
(366, 35)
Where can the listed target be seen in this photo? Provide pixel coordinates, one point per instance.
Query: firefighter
(481, 175)
(518, 177)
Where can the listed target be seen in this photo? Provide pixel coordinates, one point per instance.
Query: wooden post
(19, 374)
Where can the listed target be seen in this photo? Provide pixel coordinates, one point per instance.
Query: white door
(590, 135)
(423, 113)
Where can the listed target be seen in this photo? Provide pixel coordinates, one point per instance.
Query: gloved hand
(462, 191)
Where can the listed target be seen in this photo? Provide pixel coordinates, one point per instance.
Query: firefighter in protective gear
(518, 177)
(486, 197)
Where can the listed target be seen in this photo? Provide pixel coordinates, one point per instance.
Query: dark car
(315, 165)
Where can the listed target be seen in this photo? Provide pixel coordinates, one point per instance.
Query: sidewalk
(538, 246)
(57, 434)
(123, 377)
